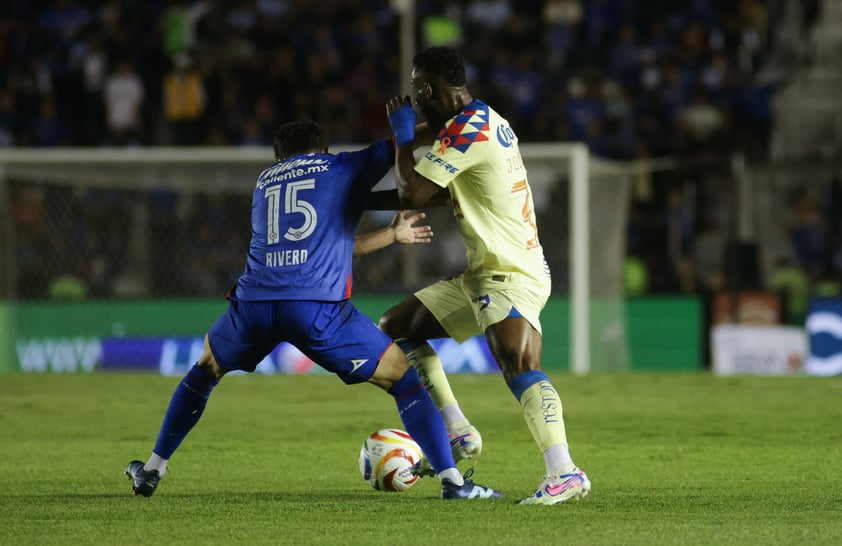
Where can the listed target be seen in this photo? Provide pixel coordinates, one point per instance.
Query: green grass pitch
(674, 459)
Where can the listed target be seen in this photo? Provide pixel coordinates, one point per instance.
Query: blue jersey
(304, 216)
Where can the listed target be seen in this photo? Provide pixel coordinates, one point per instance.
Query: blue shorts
(334, 335)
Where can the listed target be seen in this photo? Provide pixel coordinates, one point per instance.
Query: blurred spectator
(251, 134)
(31, 81)
(69, 285)
(708, 256)
(184, 101)
(635, 276)
(489, 14)
(632, 78)
(832, 211)
(792, 283)
(178, 23)
(625, 54)
(47, 128)
(91, 59)
(807, 233)
(9, 119)
(584, 106)
(442, 28)
(123, 95)
(64, 18)
(680, 225)
(655, 52)
(701, 119)
(561, 21)
(753, 118)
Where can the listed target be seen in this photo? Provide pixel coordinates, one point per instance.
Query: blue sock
(422, 420)
(526, 380)
(186, 407)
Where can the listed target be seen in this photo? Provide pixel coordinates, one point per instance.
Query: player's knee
(385, 377)
(208, 363)
(390, 369)
(211, 367)
(388, 323)
(514, 361)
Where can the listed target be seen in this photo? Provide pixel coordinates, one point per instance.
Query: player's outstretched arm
(402, 230)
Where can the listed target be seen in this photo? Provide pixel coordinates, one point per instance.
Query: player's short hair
(442, 61)
(299, 137)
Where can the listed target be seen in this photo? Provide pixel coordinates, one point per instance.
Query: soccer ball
(386, 460)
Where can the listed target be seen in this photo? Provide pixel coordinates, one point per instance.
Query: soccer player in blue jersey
(474, 164)
(296, 288)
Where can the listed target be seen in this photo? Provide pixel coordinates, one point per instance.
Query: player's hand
(406, 233)
(396, 102)
(402, 119)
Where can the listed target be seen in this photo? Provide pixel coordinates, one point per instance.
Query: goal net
(173, 223)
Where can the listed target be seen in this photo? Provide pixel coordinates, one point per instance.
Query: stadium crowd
(631, 78)
(664, 75)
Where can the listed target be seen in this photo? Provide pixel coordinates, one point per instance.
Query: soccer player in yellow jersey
(474, 164)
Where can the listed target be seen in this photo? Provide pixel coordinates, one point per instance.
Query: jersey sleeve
(372, 163)
(462, 144)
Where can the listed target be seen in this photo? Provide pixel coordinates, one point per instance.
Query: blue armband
(402, 121)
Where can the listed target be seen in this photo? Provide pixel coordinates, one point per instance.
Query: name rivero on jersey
(280, 258)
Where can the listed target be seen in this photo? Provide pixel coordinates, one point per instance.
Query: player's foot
(555, 488)
(144, 482)
(468, 490)
(464, 444)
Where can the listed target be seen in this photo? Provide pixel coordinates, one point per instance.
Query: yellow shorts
(466, 312)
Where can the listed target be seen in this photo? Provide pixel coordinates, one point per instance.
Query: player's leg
(425, 424)
(185, 409)
(349, 345)
(190, 397)
(411, 323)
(516, 346)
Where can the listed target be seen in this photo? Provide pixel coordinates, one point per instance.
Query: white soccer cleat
(465, 443)
(555, 488)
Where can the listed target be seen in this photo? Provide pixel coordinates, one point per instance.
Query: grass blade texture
(674, 459)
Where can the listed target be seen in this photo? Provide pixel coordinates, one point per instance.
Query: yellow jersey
(476, 157)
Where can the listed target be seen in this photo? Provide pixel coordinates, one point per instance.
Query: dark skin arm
(389, 199)
(384, 200)
(415, 191)
(424, 135)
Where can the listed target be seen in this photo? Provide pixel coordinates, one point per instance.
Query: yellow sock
(542, 412)
(424, 359)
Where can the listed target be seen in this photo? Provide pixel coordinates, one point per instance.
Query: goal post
(579, 261)
(580, 202)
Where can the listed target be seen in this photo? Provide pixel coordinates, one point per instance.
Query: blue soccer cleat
(468, 490)
(144, 482)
